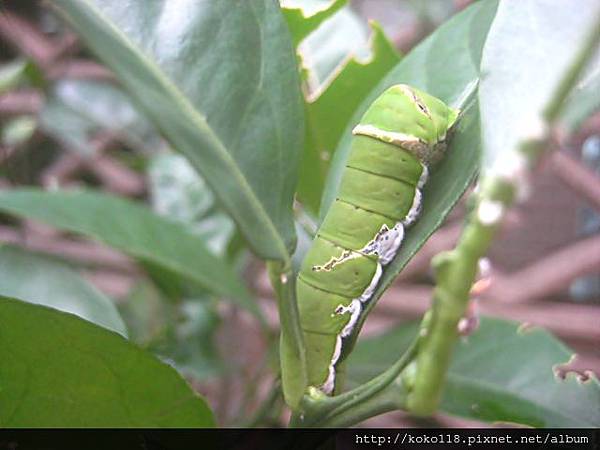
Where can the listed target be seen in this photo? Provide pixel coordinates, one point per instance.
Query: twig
(88, 253)
(115, 176)
(65, 46)
(50, 54)
(26, 38)
(577, 177)
(61, 169)
(114, 284)
(552, 273)
(456, 269)
(443, 239)
(20, 102)
(81, 69)
(567, 319)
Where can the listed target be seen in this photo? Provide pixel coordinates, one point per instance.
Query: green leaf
(178, 192)
(147, 314)
(530, 46)
(446, 66)
(131, 228)
(302, 24)
(219, 80)
(181, 194)
(77, 111)
(60, 371)
(192, 346)
(180, 332)
(47, 281)
(338, 39)
(501, 373)
(328, 114)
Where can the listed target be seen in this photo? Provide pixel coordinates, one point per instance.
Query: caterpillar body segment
(379, 197)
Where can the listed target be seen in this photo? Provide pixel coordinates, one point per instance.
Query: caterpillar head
(411, 119)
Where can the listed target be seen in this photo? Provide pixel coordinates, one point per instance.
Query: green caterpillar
(400, 135)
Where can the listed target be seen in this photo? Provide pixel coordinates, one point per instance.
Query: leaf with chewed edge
(329, 110)
(503, 372)
(301, 25)
(61, 371)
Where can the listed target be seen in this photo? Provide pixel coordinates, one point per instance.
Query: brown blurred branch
(87, 253)
(81, 69)
(577, 177)
(51, 55)
(25, 38)
(112, 283)
(443, 239)
(550, 274)
(20, 102)
(588, 128)
(565, 319)
(66, 45)
(115, 176)
(61, 169)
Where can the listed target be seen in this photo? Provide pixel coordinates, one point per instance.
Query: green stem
(291, 344)
(349, 407)
(456, 270)
(392, 398)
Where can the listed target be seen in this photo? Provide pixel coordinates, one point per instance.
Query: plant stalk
(292, 354)
(456, 269)
(377, 396)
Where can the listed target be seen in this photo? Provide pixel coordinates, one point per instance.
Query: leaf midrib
(185, 106)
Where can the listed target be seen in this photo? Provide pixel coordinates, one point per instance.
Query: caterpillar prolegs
(400, 135)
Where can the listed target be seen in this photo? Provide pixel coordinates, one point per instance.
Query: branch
(86, 253)
(456, 269)
(81, 69)
(443, 239)
(384, 393)
(551, 274)
(20, 102)
(51, 55)
(571, 321)
(26, 38)
(577, 177)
